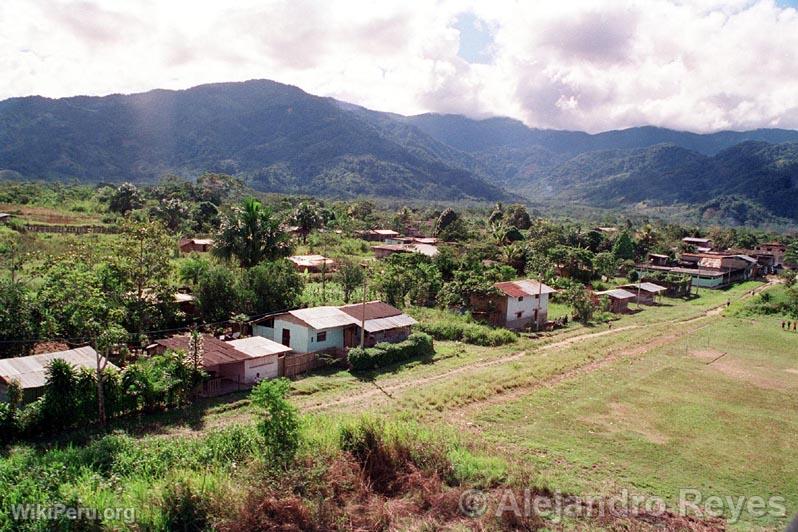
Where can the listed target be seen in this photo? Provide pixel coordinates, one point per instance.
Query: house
(708, 269)
(382, 322)
(774, 248)
(312, 263)
(199, 245)
(514, 305)
(265, 357)
(234, 366)
(31, 371)
(334, 329)
(700, 244)
(4, 217)
(385, 250)
(618, 298)
(658, 259)
(378, 235)
(645, 293)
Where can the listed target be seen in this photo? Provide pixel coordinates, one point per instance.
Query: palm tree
(251, 233)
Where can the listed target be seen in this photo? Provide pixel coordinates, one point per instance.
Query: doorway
(286, 337)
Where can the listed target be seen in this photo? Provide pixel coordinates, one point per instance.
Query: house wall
(299, 334)
(233, 371)
(526, 307)
(391, 335)
(258, 369)
(334, 340)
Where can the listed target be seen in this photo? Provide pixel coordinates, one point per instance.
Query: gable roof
(30, 371)
(646, 287)
(215, 351)
(258, 346)
(379, 316)
(617, 293)
(323, 317)
(525, 287)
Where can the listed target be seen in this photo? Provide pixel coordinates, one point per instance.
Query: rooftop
(617, 293)
(525, 287)
(30, 371)
(646, 287)
(216, 352)
(258, 346)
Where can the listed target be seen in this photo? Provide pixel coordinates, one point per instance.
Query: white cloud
(595, 65)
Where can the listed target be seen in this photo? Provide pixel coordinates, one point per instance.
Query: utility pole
(363, 316)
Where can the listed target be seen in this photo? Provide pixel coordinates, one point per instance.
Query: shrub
(470, 333)
(279, 423)
(9, 423)
(385, 354)
(185, 508)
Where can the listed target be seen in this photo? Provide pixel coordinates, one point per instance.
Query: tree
(192, 268)
(791, 253)
(279, 423)
(125, 198)
(349, 276)
(450, 226)
(624, 247)
(605, 264)
(142, 266)
(174, 213)
(17, 322)
(307, 218)
(251, 233)
(516, 215)
(409, 277)
(112, 337)
(271, 286)
(578, 297)
(217, 294)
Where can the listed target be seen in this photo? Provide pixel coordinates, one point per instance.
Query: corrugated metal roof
(385, 232)
(373, 310)
(216, 352)
(393, 322)
(258, 346)
(310, 260)
(647, 287)
(30, 371)
(323, 317)
(525, 287)
(617, 293)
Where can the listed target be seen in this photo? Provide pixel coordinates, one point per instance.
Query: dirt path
(387, 388)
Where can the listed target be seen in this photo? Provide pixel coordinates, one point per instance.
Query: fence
(296, 364)
(74, 229)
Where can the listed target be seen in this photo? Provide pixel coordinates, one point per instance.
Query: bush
(279, 423)
(9, 423)
(185, 508)
(384, 354)
(470, 333)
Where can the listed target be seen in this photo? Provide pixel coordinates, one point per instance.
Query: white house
(518, 304)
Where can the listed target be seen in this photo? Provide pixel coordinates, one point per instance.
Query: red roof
(216, 352)
(523, 288)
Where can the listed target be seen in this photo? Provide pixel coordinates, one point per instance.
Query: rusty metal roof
(526, 287)
(216, 352)
(30, 371)
(392, 322)
(373, 310)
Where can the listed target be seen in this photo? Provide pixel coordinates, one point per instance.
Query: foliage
(307, 218)
(17, 322)
(450, 226)
(125, 198)
(350, 276)
(251, 233)
(217, 294)
(409, 277)
(605, 264)
(192, 268)
(271, 286)
(578, 297)
(624, 247)
(468, 332)
(417, 345)
(279, 423)
(185, 508)
(791, 253)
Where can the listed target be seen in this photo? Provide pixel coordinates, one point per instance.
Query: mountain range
(282, 139)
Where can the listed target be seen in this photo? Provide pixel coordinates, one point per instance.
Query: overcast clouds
(699, 65)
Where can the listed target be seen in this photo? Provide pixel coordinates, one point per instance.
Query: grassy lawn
(669, 420)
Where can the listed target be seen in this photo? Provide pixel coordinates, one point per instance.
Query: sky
(697, 65)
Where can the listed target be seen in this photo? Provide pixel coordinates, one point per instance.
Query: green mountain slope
(276, 136)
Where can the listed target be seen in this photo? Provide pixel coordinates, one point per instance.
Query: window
(321, 337)
(519, 314)
(521, 298)
(268, 323)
